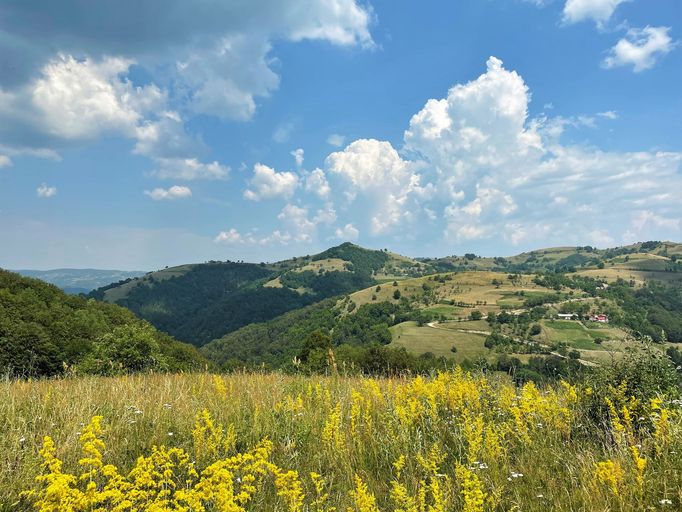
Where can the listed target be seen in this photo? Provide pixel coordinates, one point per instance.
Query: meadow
(453, 441)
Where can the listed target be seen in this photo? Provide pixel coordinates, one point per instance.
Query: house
(567, 316)
(600, 318)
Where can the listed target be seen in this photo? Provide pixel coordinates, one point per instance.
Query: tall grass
(453, 442)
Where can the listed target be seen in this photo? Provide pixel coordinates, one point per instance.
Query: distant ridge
(79, 280)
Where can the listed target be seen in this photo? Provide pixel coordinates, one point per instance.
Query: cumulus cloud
(640, 48)
(266, 183)
(599, 11)
(212, 58)
(44, 191)
(475, 162)
(79, 100)
(190, 169)
(229, 237)
(376, 170)
(316, 183)
(174, 192)
(5, 161)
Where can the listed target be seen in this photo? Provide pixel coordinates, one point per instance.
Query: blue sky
(137, 135)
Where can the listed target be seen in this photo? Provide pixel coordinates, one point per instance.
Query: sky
(140, 134)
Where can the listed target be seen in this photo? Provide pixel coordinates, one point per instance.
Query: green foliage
(327, 284)
(365, 261)
(654, 310)
(43, 331)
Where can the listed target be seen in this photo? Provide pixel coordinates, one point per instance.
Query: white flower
(170, 434)
(665, 501)
(22, 439)
(167, 406)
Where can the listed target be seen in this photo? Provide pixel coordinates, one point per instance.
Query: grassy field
(270, 442)
(475, 289)
(438, 341)
(578, 335)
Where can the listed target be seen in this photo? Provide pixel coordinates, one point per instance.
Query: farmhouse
(567, 316)
(600, 318)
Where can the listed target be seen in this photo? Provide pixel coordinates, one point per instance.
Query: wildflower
(665, 501)
(610, 474)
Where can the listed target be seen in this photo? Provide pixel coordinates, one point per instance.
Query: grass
(438, 341)
(577, 335)
(461, 442)
(449, 312)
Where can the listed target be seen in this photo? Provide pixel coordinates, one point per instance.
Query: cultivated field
(287, 443)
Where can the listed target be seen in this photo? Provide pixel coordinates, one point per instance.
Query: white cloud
(369, 163)
(189, 169)
(609, 114)
(316, 183)
(212, 59)
(299, 156)
(174, 192)
(599, 11)
(492, 173)
(336, 140)
(83, 99)
(5, 161)
(640, 48)
(44, 191)
(375, 169)
(267, 183)
(297, 221)
(229, 237)
(348, 233)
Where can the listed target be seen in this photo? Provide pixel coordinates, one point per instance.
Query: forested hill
(44, 331)
(200, 302)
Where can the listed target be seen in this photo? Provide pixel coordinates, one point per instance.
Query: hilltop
(200, 302)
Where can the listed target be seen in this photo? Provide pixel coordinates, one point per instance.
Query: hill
(469, 318)
(44, 331)
(200, 302)
(643, 261)
(77, 280)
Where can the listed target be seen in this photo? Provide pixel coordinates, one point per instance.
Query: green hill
(200, 302)
(44, 331)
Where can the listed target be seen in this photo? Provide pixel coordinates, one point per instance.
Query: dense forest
(213, 299)
(44, 331)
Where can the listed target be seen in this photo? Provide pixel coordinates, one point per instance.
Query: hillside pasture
(438, 341)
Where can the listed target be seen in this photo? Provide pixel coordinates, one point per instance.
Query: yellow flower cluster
(452, 442)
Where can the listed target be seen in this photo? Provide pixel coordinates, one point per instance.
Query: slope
(44, 331)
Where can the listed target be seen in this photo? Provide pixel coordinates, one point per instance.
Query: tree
(396, 294)
(475, 315)
(316, 340)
